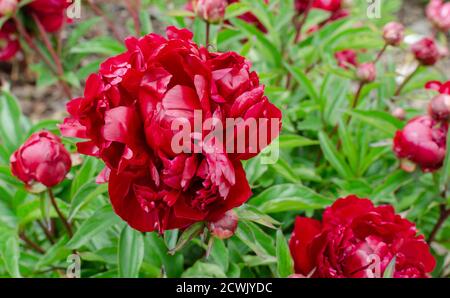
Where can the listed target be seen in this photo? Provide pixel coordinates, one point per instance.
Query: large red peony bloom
(49, 12)
(128, 114)
(422, 141)
(42, 158)
(357, 240)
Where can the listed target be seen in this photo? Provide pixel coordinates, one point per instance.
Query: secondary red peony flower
(131, 113)
(438, 13)
(9, 42)
(51, 13)
(328, 5)
(355, 239)
(366, 72)
(439, 107)
(346, 58)
(211, 11)
(42, 158)
(426, 51)
(443, 88)
(393, 33)
(422, 141)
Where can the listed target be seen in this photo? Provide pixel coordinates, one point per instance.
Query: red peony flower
(422, 141)
(9, 42)
(211, 11)
(426, 51)
(130, 115)
(438, 13)
(42, 158)
(393, 33)
(357, 240)
(346, 58)
(49, 12)
(328, 5)
(443, 88)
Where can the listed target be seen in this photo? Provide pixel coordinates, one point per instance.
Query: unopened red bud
(394, 33)
(225, 227)
(439, 107)
(438, 13)
(399, 113)
(211, 11)
(7, 7)
(426, 51)
(366, 72)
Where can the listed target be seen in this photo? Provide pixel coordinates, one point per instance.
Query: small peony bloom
(130, 115)
(43, 159)
(346, 58)
(8, 7)
(366, 72)
(393, 33)
(438, 13)
(423, 141)
(51, 13)
(439, 107)
(443, 88)
(211, 11)
(225, 227)
(355, 239)
(9, 42)
(399, 113)
(426, 51)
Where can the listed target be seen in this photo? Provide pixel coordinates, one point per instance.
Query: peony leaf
(189, 234)
(285, 264)
(130, 252)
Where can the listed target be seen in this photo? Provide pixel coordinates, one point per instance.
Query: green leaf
(204, 270)
(130, 252)
(189, 234)
(219, 254)
(379, 119)
(100, 221)
(10, 251)
(236, 9)
(84, 175)
(285, 265)
(101, 45)
(11, 132)
(250, 213)
(390, 269)
(289, 197)
(256, 239)
(295, 141)
(80, 30)
(84, 195)
(303, 80)
(331, 154)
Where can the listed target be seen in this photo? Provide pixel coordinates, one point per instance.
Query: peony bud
(225, 227)
(439, 107)
(426, 51)
(399, 113)
(42, 158)
(439, 14)
(394, 33)
(211, 11)
(366, 72)
(422, 141)
(7, 7)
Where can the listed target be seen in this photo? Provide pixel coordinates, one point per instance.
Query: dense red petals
(129, 116)
(358, 240)
(49, 12)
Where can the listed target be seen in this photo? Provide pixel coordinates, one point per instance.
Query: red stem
(444, 214)
(99, 12)
(406, 81)
(60, 214)
(134, 11)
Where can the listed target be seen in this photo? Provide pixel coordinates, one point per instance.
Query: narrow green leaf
(285, 265)
(189, 234)
(333, 157)
(130, 252)
(303, 80)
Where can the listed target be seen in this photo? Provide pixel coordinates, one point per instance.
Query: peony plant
(211, 138)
